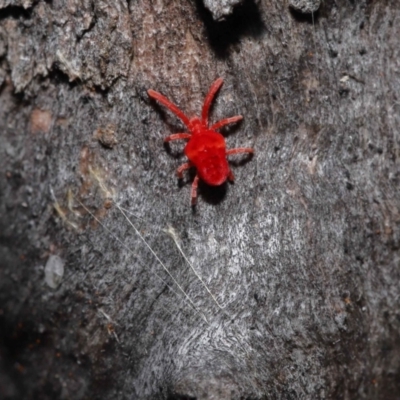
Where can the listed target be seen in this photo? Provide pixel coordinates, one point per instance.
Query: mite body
(207, 152)
(206, 148)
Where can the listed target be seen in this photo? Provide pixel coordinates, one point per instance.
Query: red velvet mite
(206, 148)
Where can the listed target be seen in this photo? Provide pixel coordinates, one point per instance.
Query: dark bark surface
(302, 251)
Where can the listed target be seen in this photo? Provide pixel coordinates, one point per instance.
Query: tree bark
(300, 255)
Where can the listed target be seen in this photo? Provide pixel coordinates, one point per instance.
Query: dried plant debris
(305, 6)
(54, 271)
(40, 121)
(106, 136)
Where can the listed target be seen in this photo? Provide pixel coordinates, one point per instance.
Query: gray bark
(302, 251)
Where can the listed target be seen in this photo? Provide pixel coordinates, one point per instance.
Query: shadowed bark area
(300, 255)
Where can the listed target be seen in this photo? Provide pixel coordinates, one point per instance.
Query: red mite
(206, 148)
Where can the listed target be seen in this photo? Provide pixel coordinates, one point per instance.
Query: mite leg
(194, 190)
(240, 150)
(176, 136)
(171, 106)
(231, 177)
(182, 168)
(226, 121)
(209, 98)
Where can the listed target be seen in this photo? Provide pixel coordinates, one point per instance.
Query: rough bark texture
(221, 9)
(302, 251)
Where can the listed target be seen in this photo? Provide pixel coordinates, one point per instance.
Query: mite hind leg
(195, 184)
(183, 167)
(193, 192)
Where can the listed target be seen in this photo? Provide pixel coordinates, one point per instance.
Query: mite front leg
(226, 121)
(177, 136)
(240, 150)
(171, 106)
(209, 98)
(195, 184)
